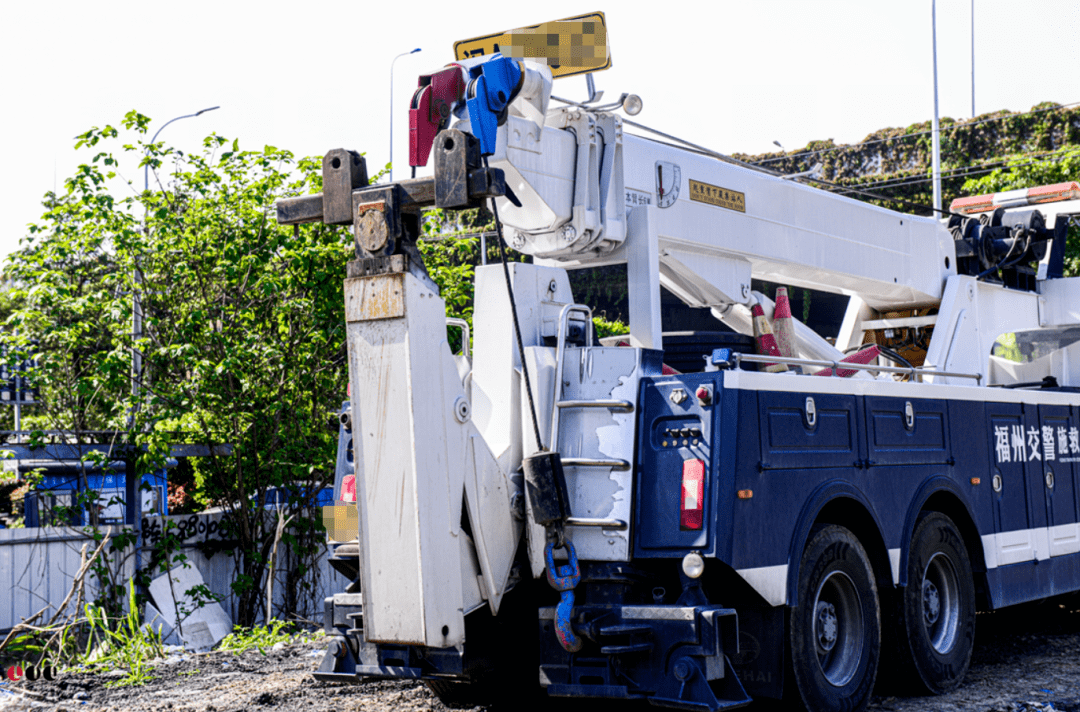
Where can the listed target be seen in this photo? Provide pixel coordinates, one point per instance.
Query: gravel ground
(1025, 659)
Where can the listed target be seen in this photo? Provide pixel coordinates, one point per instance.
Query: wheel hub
(827, 625)
(931, 603)
(941, 602)
(838, 628)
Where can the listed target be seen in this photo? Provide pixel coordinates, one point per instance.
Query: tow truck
(547, 513)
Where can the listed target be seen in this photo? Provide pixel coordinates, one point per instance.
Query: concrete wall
(38, 566)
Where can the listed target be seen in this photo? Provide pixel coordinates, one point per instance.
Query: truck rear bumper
(673, 656)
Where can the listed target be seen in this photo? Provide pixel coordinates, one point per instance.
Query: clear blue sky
(734, 76)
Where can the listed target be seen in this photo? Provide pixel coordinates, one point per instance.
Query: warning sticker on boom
(715, 195)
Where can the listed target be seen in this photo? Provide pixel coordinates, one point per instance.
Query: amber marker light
(745, 494)
(976, 480)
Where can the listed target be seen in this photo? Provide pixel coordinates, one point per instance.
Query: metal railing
(560, 360)
(916, 374)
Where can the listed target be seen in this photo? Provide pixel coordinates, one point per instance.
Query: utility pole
(937, 125)
(132, 480)
(136, 302)
(973, 59)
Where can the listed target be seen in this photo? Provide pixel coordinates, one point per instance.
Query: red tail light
(348, 488)
(692, 502)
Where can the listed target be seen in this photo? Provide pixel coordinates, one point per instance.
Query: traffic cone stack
(766, 342)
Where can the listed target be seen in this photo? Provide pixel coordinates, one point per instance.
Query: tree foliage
(243, 337)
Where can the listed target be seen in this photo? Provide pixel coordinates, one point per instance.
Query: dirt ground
(1025, 659)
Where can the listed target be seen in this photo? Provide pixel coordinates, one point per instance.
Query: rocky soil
(1025, 659)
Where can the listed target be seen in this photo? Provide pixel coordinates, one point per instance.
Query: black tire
(936, 610)
(835, 630)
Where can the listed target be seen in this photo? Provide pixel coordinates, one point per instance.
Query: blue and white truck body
(547, 512)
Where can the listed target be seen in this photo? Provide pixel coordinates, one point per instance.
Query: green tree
(243, 339)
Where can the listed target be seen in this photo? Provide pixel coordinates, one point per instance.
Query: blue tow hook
(563, 579)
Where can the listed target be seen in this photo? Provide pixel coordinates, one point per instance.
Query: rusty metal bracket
(377, 221)
(460, 181)
(343, 172)
(456, 154)
(372, 226)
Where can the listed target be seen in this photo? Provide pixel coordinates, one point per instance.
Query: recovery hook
(563, 579)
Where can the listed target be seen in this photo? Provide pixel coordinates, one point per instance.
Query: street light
(136, 311)
(132, 494)
(392, 109)
(146, 168)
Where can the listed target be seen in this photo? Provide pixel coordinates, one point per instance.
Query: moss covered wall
(904, 154)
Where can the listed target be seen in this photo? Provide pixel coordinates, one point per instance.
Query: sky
(309, 77)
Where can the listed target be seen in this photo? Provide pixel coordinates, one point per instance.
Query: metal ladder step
(595, 462)
(600, 523)
(624, 406)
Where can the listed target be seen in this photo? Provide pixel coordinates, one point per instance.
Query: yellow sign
(715, 195)
(576, 45)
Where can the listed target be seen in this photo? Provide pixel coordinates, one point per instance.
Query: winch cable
(562, 578)
(517, 325)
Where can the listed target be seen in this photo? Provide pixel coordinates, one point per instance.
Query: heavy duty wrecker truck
(550, 511)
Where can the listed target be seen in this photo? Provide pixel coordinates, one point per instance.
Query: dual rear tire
(935, 612)
(835, 631)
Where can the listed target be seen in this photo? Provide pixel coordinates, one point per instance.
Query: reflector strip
(692, 501)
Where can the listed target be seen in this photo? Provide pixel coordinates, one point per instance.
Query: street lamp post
(132, 491)
(392, 109)
(136, 311)
(936, 144)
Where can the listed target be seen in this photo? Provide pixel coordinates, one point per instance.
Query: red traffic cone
(862, 356)
(766, 342)
(783, 324)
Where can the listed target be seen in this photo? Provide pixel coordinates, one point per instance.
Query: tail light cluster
(692, 501)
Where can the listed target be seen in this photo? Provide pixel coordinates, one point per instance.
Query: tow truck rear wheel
(936, 621)
(835, 630)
